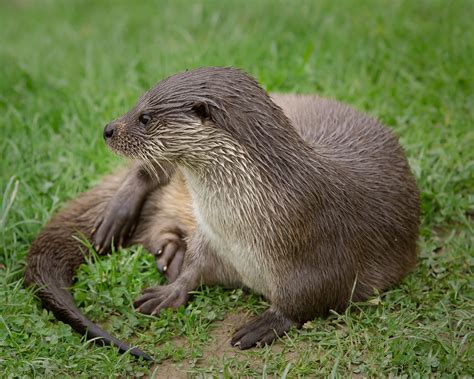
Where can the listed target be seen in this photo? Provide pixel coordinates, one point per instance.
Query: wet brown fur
(327, 201)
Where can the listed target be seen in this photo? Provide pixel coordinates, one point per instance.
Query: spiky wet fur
(318, 208)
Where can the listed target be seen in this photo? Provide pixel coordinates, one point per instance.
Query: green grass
(66, 68)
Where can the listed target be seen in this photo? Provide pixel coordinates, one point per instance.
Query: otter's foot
(262, 330)
(155, 299)
(118, 222)
(115, 227)
(169, 253)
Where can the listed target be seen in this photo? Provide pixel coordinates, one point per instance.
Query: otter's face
(194, 116)
(157, 130)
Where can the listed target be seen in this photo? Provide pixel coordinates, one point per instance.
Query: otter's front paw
(118, 222)
(262, 330)
(169, 253)
(155, 299)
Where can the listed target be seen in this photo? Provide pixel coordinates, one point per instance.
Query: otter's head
(191, 116)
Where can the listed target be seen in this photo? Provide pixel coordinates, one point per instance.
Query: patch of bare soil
(221, 335)
(219, 348)
(168, 369)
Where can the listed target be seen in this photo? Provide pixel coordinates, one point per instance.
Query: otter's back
(357, 144)
(329, 125)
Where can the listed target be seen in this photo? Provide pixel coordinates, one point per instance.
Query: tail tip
(140, 354)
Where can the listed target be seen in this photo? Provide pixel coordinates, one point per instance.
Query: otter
(311, 213)
(308, 218)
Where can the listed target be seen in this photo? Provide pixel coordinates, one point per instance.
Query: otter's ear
(201, 108)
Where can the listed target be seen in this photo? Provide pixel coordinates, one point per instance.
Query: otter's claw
(262, 330)
(115, 226)
(155, 299)
(169, 255)
(117, 223)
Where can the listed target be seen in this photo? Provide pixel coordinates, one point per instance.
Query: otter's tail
(53, 259)
(52, 274)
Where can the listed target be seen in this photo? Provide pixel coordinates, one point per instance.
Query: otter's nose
(109, 131)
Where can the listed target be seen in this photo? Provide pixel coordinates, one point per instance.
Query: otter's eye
(144, 119)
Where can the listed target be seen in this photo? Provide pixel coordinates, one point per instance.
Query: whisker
(159, 165)
(147, 166)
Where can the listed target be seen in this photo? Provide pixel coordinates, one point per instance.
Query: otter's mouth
(131, 147)
(120, 142)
